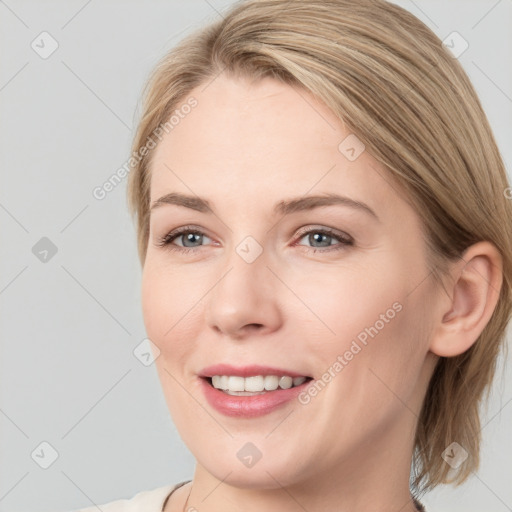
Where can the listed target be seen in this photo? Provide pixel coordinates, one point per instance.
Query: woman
(324, 231)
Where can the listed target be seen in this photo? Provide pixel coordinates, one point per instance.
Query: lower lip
(249, 406)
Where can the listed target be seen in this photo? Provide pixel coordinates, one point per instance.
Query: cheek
(172, 309)
(385, 373)
(349, 303)
(154, 303)
(371, 319)
(161, 306)
(168, 320)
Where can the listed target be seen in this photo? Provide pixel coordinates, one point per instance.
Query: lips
(247, 371)
(246, 404)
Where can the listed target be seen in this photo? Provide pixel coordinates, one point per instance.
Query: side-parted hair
(392, 83)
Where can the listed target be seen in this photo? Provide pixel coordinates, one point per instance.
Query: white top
(152, 501)
(144, 501)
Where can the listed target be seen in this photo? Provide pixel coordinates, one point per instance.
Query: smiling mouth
(254, 385)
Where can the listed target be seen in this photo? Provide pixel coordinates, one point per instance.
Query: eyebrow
(282, 207)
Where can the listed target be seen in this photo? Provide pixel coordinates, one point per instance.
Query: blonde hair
(390, 81)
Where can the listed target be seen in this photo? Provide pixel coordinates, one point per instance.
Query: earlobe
(475, 288)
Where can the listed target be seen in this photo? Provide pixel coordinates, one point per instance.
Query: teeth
(235, 383)
(285, 382)
(297, 381)
(257, 384)
(271, 382)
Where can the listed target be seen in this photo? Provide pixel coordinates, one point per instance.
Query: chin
(273, 473)
(245, 478)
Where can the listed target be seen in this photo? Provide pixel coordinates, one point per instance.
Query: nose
(244, 299)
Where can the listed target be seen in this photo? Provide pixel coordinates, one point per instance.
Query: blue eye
(190, 235)
(323, 235)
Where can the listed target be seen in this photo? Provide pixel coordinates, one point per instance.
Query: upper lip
(246, 371)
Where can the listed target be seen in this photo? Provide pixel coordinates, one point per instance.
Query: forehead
(244, 141)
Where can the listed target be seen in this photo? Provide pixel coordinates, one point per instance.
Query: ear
(468, 302)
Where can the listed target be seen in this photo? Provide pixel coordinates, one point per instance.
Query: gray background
(69, 327)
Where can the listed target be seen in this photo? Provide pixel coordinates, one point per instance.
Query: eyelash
(166, 240)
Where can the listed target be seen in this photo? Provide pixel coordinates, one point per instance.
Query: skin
(245, 147)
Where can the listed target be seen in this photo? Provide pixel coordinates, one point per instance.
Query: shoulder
(144, 501)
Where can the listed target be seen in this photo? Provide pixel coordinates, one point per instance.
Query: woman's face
(278, 281)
